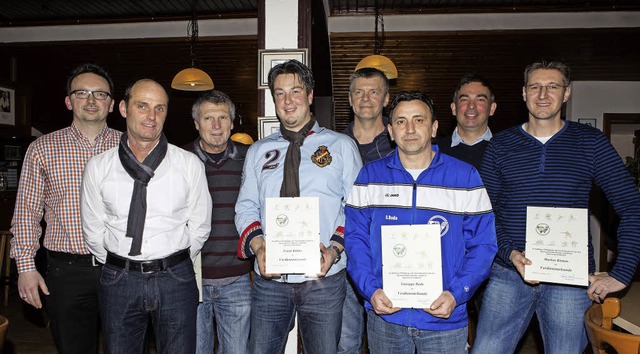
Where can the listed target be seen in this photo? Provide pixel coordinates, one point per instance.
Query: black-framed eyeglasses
(551, 88)
(84, 94)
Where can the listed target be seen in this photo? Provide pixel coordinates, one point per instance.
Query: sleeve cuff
(338, 236)
(249, 233)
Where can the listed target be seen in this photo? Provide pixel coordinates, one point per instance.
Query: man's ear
(390, 129)
(567, 94)
(123, 109)
(453, 108)
(493, 108)
(67, 102)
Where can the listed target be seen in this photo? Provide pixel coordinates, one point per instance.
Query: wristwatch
(337, 252)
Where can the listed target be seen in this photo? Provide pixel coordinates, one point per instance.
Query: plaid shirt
(50, 183)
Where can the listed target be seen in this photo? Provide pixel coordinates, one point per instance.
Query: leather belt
(72, 258)
(147, 267)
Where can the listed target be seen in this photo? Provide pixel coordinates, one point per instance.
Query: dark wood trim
(304, 25)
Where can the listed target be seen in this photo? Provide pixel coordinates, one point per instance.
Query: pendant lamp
(192, 79)
(377, 60)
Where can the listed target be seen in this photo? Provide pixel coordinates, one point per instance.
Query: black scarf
(291, 175)
(141, 174)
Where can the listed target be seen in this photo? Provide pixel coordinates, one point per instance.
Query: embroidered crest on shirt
(322, 157)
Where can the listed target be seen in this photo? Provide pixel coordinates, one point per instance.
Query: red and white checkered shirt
(50, 183)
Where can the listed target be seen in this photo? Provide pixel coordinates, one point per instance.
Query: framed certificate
(411, 264)
(557, 245)
(292, 235)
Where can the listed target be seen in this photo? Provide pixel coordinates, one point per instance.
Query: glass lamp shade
(192, 79)
(381, 63)
(243, 138)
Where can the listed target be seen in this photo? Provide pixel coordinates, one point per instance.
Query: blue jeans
(229, 307)
(318, 304)
(509, 304)
(129, 298)
(389, 338)
(352, 321)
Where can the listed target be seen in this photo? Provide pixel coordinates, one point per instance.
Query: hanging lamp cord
(379, 38)
(192, 32)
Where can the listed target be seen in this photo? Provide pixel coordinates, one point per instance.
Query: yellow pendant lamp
(192, 79)
(381, 63)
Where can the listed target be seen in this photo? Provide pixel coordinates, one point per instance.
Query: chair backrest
(4, 324)
(598, 321)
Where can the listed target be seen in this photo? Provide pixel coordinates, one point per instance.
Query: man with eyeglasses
(50, 185)
(550, 162)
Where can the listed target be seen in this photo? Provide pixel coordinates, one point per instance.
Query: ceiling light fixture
(192, 79)
(376, 60)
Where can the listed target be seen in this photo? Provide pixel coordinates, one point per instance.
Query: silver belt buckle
(142, 267)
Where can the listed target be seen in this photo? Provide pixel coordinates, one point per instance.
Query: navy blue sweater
(519, 171)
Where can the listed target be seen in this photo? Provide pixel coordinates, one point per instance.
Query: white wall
(282, 12)
(281, 32)
(590, 99)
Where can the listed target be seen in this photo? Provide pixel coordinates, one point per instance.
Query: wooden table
(629, 318)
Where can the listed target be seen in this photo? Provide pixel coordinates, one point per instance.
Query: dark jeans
(129, 298)
(73, 305)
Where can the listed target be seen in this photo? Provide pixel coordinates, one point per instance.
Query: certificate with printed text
(411, 264)
(557, 245)
(292, 235)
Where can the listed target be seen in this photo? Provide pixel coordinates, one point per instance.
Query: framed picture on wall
(7, 105)
(267, 126)
(588, 121)
(268, 58)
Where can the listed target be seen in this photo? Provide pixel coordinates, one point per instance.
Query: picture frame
(267, 126)
(7, 105)
(12, 153)
(588, 121)
(268, 58)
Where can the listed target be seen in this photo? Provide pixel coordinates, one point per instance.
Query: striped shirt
(520, 171)
(50, 184)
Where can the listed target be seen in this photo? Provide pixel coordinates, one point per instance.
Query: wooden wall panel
(434, 62)
(231, 63)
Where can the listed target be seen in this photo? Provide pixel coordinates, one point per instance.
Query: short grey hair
(215, 97)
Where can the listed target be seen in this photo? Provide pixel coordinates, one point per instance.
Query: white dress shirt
(178, 206)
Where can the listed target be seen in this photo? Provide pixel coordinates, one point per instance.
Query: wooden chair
(5, 263)
(4, 325)
(598, 320)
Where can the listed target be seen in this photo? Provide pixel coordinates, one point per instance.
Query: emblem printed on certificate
(411, 264)
(292, 235)
(557, 245)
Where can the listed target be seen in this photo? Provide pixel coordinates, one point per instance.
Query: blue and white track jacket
(449, 192)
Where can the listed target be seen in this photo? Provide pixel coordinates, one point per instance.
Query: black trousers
(73, 305)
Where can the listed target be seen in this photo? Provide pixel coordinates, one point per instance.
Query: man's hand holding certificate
(411, 265)
(557, 241)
